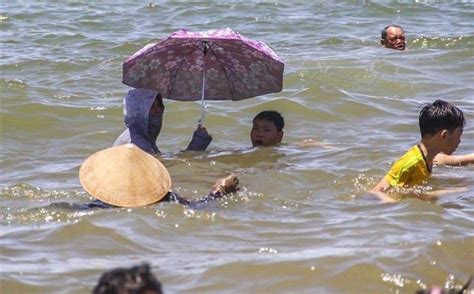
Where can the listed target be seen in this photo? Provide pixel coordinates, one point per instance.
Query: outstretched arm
(453, 160)
(221, 188)
(380, 189)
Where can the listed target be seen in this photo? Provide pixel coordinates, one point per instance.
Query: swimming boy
(441, 126)
(393, 37)
(267, 128)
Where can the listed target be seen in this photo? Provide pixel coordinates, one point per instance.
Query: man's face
(395, 39)
(452, 140)
(265, 133)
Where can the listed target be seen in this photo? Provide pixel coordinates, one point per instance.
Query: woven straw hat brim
(125, 176)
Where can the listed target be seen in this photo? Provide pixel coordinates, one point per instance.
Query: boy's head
(444, 121)
(267, 128)
(137, 279)
(393, 37)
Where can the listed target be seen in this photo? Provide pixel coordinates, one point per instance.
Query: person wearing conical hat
(143, 114)
(127, 176)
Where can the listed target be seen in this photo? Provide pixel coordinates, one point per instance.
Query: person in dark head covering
(143, 113)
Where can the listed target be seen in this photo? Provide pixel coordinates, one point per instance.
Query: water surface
(303, 222)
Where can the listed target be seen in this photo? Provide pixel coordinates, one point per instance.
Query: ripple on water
(303, 221)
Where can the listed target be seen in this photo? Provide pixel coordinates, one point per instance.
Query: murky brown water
(303, 222)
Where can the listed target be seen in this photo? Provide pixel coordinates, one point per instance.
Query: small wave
(423, 42)
(25, 204)
(14, 84)
(25, 190)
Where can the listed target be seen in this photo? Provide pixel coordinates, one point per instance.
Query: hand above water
(225, 186)
(201, 139)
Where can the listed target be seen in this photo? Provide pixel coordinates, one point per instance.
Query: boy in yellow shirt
(441, 126)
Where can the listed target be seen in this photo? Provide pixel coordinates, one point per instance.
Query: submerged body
(221, 188)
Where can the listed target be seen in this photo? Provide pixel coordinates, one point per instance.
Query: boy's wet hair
(384, 31)
(273, 116)
(440, 115)
(137, 279)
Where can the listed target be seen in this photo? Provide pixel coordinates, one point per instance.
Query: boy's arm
(454, 160)
(380, 189)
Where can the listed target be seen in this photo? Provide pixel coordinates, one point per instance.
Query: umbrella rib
(225, 73)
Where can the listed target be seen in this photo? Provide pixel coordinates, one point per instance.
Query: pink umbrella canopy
(227, 65)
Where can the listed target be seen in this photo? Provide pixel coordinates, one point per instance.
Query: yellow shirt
(410, 169)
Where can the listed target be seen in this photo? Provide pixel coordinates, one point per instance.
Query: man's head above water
(393, 37)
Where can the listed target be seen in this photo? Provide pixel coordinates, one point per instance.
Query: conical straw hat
(125, 176)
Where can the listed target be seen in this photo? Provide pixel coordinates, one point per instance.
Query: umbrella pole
(203, 101)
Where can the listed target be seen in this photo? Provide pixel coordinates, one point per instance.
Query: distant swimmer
(393, 37)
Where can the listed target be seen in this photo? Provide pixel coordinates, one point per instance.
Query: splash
(362, 185)
(27, 204)
(191, 213)
(440, 42)
(396, 279)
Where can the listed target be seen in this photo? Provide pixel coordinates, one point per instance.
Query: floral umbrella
(211, 65)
